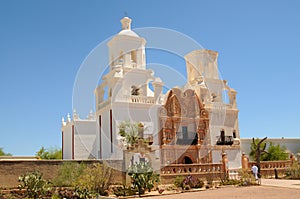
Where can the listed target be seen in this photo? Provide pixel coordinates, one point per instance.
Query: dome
(126, 28)
(128, 32)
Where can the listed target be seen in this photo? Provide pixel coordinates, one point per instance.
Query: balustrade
(267, 168)
(142, 99)
(175, 169)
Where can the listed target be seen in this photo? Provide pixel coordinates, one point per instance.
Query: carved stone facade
(185, 128)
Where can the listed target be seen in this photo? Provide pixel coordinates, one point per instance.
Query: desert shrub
(85, 181)
(94, 180)
(192, 182)
(200, 183)
(83, 192)
(230, 182)
(294, 171)
(188, 182)
(34, 184)
(124, 191)
(246, 178)
(179, 181)
(209, 180)
(64, 192)
(169, 187)
(68, 174)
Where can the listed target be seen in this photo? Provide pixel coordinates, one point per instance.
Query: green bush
(246, 178)
(179, 181)
(34, 184)
(124, 191)
(294, 171)
(142, 176)
(129, 132)
(199, 184)
(275, 152)
(95, 179)
(87, 181)
(68, 174)
(188, 182)
(83, 192)
(231, 182)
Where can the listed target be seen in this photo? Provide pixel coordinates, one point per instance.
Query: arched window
(133, 56)
(222, 136)
(135, 90)
(234, 134)
(121, 58)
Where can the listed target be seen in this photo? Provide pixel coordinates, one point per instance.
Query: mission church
(192, 123)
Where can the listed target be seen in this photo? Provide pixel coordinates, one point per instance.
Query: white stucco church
(191, 123)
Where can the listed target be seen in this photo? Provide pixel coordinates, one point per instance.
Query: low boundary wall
(10, 170)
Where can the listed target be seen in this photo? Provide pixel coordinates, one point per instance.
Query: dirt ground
(251, 192)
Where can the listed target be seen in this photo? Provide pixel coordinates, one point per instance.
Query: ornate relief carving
(184, 109)
(175, 107)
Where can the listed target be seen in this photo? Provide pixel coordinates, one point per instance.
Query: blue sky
(43, 43)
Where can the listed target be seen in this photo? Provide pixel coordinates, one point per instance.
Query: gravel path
(251, 192)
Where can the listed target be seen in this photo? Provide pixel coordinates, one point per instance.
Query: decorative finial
(126, 23)
(125, 14)
(63, 123)
(68, 118)
(75, 115)
(91, 115)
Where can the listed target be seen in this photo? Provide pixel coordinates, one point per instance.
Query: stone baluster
(245, 161)
(225, 163)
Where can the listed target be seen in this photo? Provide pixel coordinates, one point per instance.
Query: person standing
(255, 171)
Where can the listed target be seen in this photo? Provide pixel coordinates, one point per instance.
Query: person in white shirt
(255, 171)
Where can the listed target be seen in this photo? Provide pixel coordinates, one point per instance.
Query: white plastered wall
(67, 141)
(233, 156)
(84, 139)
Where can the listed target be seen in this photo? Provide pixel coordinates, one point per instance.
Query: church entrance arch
(187, 160)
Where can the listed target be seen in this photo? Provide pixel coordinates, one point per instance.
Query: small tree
(258, 148)
(254, 148)
(275, 152)
(2, 153)
(49, 153)
(34, 184)
(142, 176)
(129, 132)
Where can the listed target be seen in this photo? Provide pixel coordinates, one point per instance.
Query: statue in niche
(169, 124)
(135, 90)
(213, 97)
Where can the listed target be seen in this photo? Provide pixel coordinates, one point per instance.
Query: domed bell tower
(127, 49)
